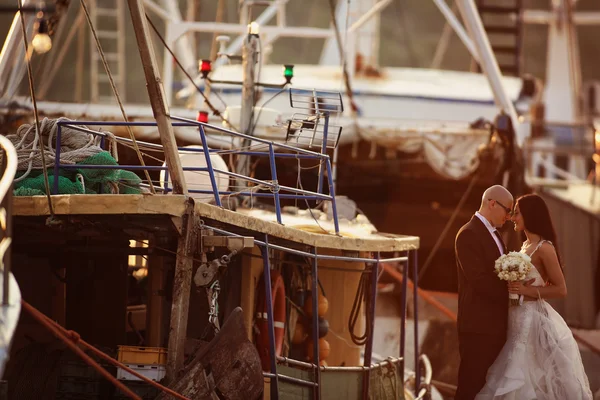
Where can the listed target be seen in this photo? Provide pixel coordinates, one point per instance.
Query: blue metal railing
(408, 260)
(277, 192)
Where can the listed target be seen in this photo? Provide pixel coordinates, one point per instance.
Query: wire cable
(35, 110)
(208, 103)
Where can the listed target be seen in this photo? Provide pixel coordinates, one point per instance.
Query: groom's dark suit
(482, 306)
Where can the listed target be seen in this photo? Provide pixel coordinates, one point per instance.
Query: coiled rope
(75, 146)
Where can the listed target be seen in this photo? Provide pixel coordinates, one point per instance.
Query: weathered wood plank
(174, 205)
(182, 284)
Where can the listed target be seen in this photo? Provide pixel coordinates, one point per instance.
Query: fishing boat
(392, 134)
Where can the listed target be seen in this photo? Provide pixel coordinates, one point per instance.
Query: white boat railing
(10, 308)
(574, 144)
(5, 186)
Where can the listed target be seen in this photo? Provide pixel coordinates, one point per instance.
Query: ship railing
(425, 384)
(406, 260)
(270, 188)
(559, 153)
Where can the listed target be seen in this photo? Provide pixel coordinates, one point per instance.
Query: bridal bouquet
(511, 267)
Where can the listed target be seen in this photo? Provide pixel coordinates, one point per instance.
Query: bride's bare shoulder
(547, 253)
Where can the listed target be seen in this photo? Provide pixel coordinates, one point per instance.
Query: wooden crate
(142, 355)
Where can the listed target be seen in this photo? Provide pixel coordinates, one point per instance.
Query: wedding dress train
(540, 359)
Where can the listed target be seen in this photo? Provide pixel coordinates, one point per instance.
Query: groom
(482, 296)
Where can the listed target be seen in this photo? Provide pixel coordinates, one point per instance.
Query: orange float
(324, 349)
(299, 334)
(322, 308)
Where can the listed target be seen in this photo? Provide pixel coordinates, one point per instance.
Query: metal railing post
(270, 324)
(324, 152)
(275, 182)
(415, 265)
(315, 325)
(371, 321)
(332, 194)
(403, 311)
(211, 172)
(57, 157)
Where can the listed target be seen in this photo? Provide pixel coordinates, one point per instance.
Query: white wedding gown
(540, 359)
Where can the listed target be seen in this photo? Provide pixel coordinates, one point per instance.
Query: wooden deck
(174, 206)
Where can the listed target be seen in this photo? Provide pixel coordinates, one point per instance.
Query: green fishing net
(82, 180)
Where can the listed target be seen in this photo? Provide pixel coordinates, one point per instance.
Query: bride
(540, 359)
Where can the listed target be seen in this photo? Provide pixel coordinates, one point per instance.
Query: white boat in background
(10, 294)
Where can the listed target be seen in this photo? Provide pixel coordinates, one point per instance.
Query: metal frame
(410, 259)
(274, 187)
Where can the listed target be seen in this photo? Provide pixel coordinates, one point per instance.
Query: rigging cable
(208, 103)
(116, 93)
(263, 106)
(35, 111)
(338, 38)
(442, 236)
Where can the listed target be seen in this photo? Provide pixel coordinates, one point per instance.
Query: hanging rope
(35, 110)
(116, 93)
(363, 294)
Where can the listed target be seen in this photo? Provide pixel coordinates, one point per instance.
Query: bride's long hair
(536, 218)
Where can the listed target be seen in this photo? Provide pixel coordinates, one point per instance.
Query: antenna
(312, 128)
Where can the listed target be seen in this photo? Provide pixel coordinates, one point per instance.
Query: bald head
(498, 193)
(496, 205)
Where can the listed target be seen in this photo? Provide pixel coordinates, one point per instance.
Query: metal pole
(332, 194)
(315, 326)
(416, 317)
(323, 150)
(488, 62)
(249, 60)
(458, 28)
(369, 345)
(269, 300)
(403, 311)
(276, 182)
(442, 46)
(211, 172)
(57, 158)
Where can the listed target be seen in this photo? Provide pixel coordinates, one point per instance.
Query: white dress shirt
(491, 229)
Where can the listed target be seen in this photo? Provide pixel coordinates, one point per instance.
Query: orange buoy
(322, 308)
(299, 334)
(261, 338)
(324, 349)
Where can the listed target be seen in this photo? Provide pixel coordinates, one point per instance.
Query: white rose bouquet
(511, 267)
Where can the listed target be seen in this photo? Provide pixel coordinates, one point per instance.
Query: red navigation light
(202, 117)
(205, 68)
